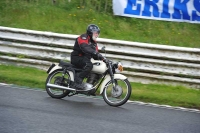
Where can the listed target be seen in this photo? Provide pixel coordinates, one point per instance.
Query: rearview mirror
(103, 49)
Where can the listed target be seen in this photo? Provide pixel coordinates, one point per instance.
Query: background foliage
(73, 16)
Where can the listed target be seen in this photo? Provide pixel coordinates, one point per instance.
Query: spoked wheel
(56, 78)
(118, 95)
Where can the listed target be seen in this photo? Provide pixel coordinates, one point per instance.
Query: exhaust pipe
(59, 87)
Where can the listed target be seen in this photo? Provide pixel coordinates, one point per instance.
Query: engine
(93, 78)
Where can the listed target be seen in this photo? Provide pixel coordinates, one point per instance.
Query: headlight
(119, 68)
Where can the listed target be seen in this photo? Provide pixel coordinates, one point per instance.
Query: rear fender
(57, 67)
(107, 79)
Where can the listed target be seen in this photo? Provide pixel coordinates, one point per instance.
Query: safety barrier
(146, 63)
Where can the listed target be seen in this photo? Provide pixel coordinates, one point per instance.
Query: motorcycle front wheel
(56, 78)
(118, 95)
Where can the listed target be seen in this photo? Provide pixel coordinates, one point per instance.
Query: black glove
(99, 56)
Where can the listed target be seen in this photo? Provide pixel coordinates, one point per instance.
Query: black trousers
(83, 63)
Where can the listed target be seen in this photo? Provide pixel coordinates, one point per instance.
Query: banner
(167, 10)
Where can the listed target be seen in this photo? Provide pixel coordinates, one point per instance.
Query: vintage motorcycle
(114, 87)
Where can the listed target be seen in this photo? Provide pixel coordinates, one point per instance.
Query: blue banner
(167, 10)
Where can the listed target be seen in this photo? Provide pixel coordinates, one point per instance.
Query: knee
(89, 66)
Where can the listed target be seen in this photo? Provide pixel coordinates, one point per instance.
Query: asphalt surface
(29, 111)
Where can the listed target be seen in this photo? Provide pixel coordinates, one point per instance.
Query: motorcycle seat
(66, 64)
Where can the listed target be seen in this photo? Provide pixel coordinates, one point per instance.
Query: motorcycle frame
(107, 75)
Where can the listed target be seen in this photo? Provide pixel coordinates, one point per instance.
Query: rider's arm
(84, 46)
(83, 42)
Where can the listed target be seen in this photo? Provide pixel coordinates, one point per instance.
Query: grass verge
(153, 93)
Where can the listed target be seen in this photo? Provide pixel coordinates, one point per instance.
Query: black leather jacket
(85, 46)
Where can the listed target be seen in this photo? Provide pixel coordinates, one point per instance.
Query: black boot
(78, 84)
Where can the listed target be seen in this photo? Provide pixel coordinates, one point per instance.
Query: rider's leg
(86, 65)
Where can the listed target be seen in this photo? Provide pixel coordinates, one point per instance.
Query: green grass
(166, 94)
(23, 76)
(153, 93)
(71, 18)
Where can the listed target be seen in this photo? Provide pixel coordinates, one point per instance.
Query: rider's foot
(79, 86)
(78, 83)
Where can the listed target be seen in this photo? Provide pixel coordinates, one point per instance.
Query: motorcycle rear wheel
(119, 95)
(55, 78)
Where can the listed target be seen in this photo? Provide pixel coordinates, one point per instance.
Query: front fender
(107, 79)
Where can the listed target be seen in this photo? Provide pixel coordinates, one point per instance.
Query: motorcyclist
(84, 49)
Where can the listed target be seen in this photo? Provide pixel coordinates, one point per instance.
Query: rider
(84, 49)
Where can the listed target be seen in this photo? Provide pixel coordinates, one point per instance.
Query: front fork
(112, 75)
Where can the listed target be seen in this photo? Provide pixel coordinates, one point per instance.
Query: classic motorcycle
(114, 87)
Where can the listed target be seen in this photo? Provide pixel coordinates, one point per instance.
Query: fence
(146, 63)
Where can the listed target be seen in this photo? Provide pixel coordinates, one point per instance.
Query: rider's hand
(100, 57)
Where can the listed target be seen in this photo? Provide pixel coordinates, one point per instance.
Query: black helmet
(92, 28)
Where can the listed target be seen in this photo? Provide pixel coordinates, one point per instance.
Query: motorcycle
(114, 87)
